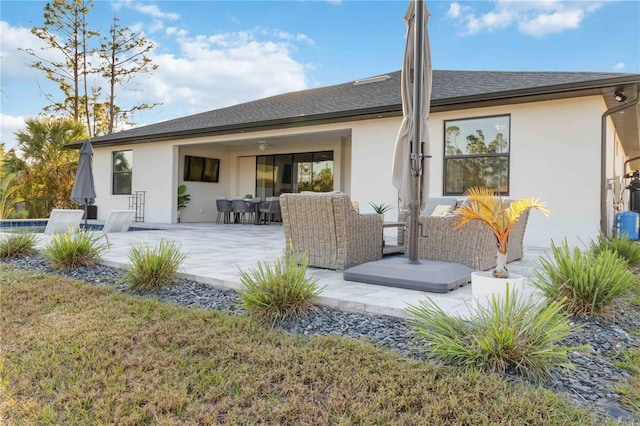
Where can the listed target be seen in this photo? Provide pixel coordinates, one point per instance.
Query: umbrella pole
(416, 145)
(86, 216)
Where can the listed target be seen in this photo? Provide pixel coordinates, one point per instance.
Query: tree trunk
(501, 266)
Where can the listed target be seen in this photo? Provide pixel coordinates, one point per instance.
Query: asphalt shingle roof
(349, 99)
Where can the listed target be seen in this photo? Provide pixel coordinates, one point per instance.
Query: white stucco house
(564, 137)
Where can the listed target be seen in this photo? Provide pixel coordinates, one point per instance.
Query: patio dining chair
(225, 208)
(242, 210)
(270, 210)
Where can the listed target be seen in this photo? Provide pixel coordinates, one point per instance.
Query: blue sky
(213, 54)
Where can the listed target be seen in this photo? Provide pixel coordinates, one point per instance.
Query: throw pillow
(441, 210)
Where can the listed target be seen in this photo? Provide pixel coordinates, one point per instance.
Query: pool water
(22, 229)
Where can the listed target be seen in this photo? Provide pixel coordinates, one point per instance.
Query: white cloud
(22, 86)
(151, 10)
(204, 72)
(489, 21)
(619, 66)
(8, 126)
(284, 35)
(557, 22)
(214, 71)
(454, 10)
(14, 61)
(536, 18)
(155, 25)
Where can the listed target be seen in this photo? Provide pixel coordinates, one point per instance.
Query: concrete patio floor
(216, 253)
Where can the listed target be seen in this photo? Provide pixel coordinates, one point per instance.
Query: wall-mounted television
(201, 169)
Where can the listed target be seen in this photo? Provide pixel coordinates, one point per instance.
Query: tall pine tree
(116, 58)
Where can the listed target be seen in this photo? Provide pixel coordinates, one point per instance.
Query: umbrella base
(92, 212)
(429, 275)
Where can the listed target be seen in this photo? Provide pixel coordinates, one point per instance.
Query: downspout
(603, 157)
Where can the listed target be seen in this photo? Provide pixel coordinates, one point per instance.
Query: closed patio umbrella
(409, 176)
(83, 192)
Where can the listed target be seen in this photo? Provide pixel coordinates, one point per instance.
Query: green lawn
(76, 354)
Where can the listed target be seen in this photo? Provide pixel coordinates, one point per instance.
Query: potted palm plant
(488, 207)
(381, 208)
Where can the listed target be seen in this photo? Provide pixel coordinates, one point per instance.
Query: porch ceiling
(627, 123)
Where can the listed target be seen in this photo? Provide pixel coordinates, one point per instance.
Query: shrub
(509, 334)
(621, 245)
(154, 269)
(590, 283)
(276, 292)
(73, 249)
(19, 214)
(17, 245)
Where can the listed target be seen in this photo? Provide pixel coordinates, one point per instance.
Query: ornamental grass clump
(590, 283)
(510, 334)
(153, 269)
(624, 247)
(72, 249)
(17, 245)
(275, 292)
(629, 389)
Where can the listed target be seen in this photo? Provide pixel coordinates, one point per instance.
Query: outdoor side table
(391, 249)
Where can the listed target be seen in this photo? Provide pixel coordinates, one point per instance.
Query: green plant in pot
(183, 198)
(488, 207)
(381, 208)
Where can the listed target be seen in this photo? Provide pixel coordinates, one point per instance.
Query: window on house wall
(476, 153)
(122, 168)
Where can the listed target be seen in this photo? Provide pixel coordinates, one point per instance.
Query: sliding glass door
(309, 171)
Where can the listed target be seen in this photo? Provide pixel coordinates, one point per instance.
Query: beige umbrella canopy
(412, 144)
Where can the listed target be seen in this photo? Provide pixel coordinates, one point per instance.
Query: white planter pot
(484, 286)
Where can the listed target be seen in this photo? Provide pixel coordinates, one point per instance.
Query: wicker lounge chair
(474, 245)
(329, 230)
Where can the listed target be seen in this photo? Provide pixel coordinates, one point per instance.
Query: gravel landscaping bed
(591, 383)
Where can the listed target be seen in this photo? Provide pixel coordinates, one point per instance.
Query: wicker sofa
(329, 230)
(474, 245)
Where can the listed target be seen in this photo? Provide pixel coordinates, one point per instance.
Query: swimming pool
(38, 225)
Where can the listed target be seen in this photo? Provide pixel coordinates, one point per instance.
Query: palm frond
(487, 206)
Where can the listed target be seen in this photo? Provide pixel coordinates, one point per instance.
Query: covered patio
(216, 253)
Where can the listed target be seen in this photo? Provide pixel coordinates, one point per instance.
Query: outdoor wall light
(619, 96)
(262, 146)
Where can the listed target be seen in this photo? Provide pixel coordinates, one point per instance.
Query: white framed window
(476, 153)
(122, 171)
